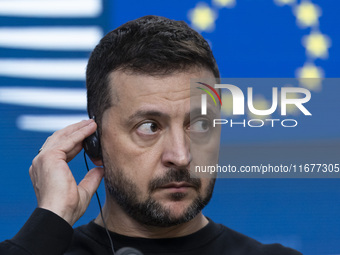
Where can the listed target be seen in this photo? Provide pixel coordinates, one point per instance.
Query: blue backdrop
(45, 47)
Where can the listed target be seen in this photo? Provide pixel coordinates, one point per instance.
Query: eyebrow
(197, 112)
(141, 114)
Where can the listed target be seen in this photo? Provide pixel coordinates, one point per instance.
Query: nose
(176, 152)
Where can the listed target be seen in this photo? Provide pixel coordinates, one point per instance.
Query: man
(138, 84)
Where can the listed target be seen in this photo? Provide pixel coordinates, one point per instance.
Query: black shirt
(47, 233)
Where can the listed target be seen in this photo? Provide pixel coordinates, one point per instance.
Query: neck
(119, 222)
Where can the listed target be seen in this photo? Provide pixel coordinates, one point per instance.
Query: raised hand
(55, 187)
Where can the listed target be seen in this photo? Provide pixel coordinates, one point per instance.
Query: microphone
(128, 251)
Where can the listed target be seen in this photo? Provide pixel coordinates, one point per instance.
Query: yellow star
(284, 2)
(203, 17)
(307, 14)
(317, 44)
(225, 3)
(310, 76)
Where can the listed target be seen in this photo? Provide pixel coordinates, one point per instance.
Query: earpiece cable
(101, 211)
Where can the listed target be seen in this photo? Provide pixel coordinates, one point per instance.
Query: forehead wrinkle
(171, 95)
(178, 95)
(158, 90)
(166, 91)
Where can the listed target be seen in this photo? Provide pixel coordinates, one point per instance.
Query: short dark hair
(150, 45)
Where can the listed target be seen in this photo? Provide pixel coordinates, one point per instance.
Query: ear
(97, 162)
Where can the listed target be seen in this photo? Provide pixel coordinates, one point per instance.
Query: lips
(177, 185)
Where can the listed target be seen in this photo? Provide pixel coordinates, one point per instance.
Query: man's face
(146, 140)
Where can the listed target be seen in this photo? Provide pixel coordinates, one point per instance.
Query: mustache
(175, 175)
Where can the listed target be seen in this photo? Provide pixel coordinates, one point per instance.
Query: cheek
(138, 164)
(206, 154)
(207, 186)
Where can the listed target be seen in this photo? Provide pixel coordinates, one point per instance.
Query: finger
(89, 185)
(74, 142)
(71, 144)
(73, 128)
(74, 152)
(65, 132)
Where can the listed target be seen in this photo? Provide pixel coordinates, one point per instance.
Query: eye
(148, 128)
(200, 126)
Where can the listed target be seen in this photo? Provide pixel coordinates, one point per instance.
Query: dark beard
(150, 212)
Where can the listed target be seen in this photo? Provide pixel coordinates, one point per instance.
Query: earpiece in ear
(92, 146)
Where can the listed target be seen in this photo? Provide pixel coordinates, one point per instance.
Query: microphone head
(128, 251)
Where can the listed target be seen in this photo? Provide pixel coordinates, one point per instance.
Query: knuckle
(56, 133)
(42, 157)
(34, 163)
(73, 140)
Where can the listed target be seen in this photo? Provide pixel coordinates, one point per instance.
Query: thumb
(88, 186)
